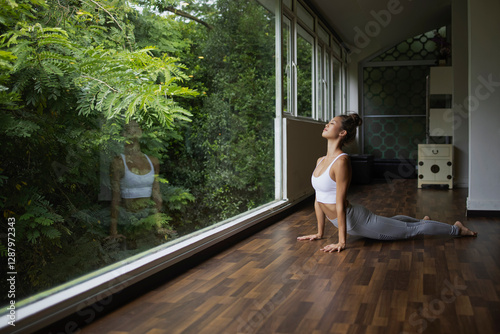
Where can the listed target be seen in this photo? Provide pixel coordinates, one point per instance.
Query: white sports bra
(135, 185)
(325, 187)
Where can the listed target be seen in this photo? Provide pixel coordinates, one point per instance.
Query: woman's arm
(320, 217)
(116, 175)
(341, 172)
(156, 195)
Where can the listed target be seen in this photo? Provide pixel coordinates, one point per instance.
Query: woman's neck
(133, 148)
(334, 148)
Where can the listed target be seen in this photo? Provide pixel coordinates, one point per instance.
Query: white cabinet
(435, 161)
(435, 164)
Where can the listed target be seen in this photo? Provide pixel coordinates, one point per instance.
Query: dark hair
(349, 123)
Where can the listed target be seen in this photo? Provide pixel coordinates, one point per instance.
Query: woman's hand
(333, 247)
(309, 237)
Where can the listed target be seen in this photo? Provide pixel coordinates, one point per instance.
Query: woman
(331, 180)
(134, 182)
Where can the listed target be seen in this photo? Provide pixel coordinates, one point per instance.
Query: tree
(75, 71)
(231, 141)
(73, 75)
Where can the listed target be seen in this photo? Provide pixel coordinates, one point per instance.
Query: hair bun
(356, 119)
(350, 122)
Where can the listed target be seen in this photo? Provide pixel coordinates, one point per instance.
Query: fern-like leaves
(132, 84)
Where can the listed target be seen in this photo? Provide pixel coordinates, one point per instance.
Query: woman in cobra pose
(331, 180)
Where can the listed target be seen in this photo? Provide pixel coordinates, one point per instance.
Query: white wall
(303, 146)
(459, 34)
(484, 106)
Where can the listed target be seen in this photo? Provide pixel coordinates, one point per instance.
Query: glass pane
(305, 16)
(270, 5)
(287, 65)
(323, 35)
(108, 154)
(328, 88)
(305, 72)
(337, 49)
(320, 83)
(337, 88)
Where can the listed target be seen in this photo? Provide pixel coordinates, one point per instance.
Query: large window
(133, 135)
(112, 149)
(312, 75)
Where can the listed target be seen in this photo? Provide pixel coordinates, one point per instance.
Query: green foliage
(3, 250)
(131, 84)
(229, 148)
(304, 77)
(8, 100)
(40, 220)
(71, 75)
(176, 198)
(12, 12)
(74, 72)
(165, 32)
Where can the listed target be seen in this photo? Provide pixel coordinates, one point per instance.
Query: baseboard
(482, 213)
(483, 205)
(488, 208)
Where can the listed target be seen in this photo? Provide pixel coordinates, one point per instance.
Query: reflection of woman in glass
(133, 181)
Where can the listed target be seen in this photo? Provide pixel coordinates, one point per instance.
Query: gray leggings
(362, 222)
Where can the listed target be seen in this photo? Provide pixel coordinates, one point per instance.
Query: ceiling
(369, 26)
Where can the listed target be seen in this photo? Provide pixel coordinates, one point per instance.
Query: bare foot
(427, 218)
(464, 231)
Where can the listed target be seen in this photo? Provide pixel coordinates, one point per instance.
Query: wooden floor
(270, 283)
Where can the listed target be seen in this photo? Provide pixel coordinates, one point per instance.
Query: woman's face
(132, 130)
(333, 128)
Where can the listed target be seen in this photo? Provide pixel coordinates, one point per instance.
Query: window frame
(326, 50)
(290, 64)
(308, 37)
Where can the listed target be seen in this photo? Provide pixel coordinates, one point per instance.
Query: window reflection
(136, 204)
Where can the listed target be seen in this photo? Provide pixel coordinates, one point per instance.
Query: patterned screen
(394, 98)
(420, 47)
(394, 137)
(395, 90)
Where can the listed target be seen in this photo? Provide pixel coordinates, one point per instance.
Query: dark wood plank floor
(270, 283)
